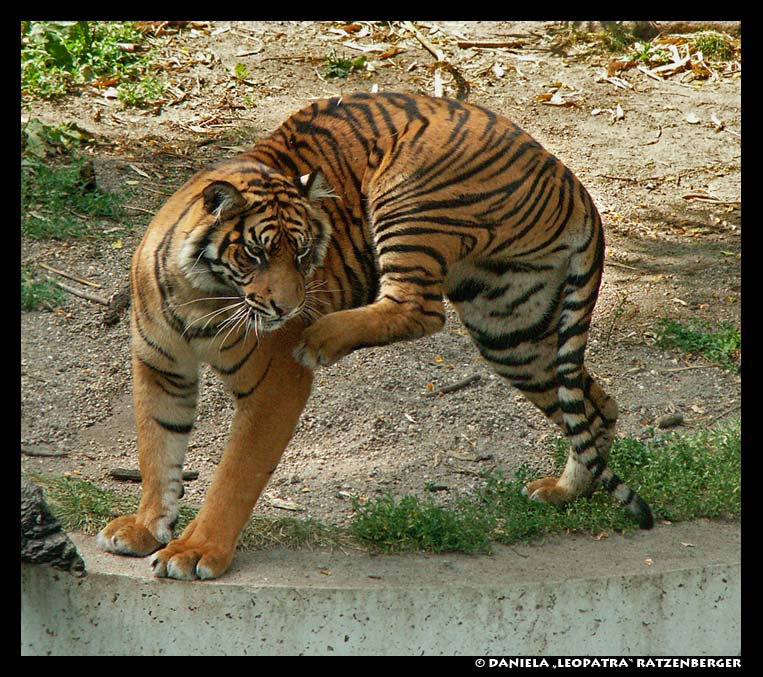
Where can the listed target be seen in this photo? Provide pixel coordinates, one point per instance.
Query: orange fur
(347, 228)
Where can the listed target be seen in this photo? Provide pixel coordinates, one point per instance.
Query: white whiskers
(313, 306)
(241, 317)
(210, 316)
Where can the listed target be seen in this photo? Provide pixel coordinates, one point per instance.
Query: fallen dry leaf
(617, 65)
(285, 505)
(556, 99)
(392, 51)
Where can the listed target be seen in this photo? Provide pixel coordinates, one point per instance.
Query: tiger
(348, 227)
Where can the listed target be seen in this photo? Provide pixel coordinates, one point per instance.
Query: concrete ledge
(670, 592)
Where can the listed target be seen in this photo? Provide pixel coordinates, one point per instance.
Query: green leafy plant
(240, 71)
(341, 67)
(57, 57)
(41, 141)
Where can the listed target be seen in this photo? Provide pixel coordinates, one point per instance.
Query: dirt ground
(661, 157)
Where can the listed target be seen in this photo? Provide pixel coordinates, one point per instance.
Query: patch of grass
(341, 67)
(293, 533)
(37, 294)
(681, 477)
(687, 477)
(721, 345)
(415, 524)
(81, 506)
(58, 57)
(57, 201)
(715, 46)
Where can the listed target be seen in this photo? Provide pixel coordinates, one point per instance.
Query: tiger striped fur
(346, 228)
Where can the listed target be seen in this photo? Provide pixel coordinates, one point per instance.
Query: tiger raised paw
(347, 228)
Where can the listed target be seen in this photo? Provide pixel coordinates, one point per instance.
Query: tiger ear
(223, 199)
(315, 186)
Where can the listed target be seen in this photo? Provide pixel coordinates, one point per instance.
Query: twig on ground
(133, 475)
(83, 294)
(63, 273)
(454, 386)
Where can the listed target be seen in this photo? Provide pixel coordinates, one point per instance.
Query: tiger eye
(255, 253)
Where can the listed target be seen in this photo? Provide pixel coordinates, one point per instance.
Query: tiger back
(347, 228)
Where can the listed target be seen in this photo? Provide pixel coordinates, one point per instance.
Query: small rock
(669, 421)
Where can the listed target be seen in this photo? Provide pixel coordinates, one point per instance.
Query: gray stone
(43, 541)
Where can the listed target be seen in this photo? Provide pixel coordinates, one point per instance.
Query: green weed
(37, 294)
(141, 93)
(721, 345)
(341, 67)
(240, 71)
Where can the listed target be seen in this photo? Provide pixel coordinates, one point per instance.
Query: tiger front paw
(187, 560)
(125, 536)
(325, 342)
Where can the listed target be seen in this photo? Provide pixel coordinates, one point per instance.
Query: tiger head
(260, 241)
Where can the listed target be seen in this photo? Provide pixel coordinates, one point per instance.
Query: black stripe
(466, 290)
(151, 344)
(228, 371)
(180, 428)
(425, 250)
(246, 393)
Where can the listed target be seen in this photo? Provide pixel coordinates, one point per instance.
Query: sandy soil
(645, 151)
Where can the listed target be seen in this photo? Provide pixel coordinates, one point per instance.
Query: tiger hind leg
(587, 416)
(534, 333)
(579, 396)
